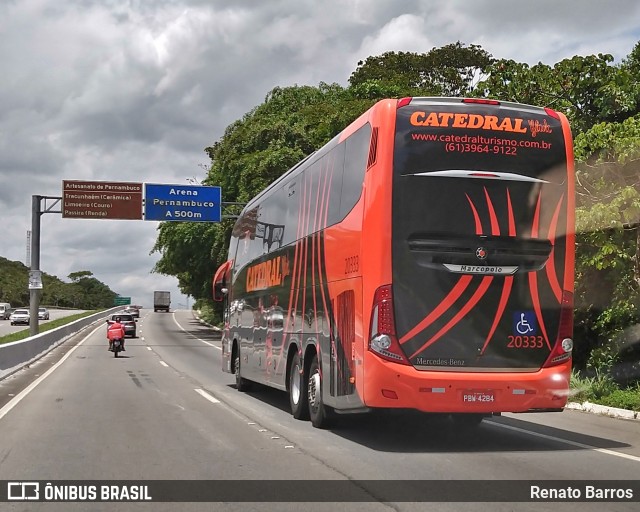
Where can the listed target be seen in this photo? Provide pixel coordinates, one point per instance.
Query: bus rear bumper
(390, 385)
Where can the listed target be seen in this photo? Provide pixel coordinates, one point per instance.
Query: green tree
(607, 232)
(452, 70)
(79, 275)
(185, 249)
(290, 124)
(588, 90)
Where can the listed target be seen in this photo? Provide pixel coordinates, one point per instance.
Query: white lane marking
(149, 348)
(199, 339)
(207, 396)
(18, 398)
(164, 364)
(566, 441)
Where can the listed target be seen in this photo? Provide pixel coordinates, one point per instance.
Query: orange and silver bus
(422, 259)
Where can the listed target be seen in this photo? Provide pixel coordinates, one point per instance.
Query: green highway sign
(122, 301)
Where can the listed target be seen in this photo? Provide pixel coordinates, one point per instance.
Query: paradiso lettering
(473, 121)
(268, 273)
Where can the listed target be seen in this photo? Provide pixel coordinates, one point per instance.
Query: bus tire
(242, 384)
(298, 389)
(320, 414)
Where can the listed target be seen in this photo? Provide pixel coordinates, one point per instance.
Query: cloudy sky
(134, 90)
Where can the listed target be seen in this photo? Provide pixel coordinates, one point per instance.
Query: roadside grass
(205, 313)
(603, 390)
(52, 324)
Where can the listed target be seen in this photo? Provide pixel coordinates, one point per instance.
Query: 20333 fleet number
(525, 341)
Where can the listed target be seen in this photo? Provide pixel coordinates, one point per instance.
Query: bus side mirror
(219, 292)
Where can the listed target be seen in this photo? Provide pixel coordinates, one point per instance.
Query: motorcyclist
(115, 331)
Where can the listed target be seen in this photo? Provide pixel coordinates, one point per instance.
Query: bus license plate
(478, 397)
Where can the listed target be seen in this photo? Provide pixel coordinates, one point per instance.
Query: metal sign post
(35, 276)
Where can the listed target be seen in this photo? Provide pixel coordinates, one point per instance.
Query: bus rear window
(475, 140)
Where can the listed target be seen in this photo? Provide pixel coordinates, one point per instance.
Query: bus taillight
(564, 343)
(481, 101)
(552, 113)
(382, 339)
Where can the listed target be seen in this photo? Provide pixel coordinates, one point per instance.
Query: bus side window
(334, 165)
(291, 200)
(357, 154)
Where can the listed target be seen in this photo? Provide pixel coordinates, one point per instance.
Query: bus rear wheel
(241, 383)
(321, 415)
(298, 390)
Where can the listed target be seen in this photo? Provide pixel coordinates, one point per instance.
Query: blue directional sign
(188, 203)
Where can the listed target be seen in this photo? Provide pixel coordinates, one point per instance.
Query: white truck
(161, 301)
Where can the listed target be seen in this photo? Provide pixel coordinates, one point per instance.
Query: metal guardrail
(18, 354)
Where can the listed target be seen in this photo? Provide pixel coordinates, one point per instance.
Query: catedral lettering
(265, 275)
(462, 120)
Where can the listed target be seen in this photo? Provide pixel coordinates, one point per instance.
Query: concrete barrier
(18, 354)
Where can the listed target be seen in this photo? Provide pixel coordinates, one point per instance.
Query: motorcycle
(115, 335)
(116, 346)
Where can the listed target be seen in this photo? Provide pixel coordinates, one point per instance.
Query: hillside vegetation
(83, 292)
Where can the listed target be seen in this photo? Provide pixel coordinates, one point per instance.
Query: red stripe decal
(305, 263)
(533, 276)
(294, 270)
(290, 321)
(533, 285)
(476, 217)
(536, 218)
(445, 304)
(512, 220)
(551, 264)
(325, 213)
(506, 291)
(301, 241)
(482, 289)
(495, 227)
(316, 242)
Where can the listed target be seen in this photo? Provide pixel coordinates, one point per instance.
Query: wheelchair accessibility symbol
(524, 322)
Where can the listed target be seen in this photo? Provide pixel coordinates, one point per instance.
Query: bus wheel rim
(314, 389)
(295, 384)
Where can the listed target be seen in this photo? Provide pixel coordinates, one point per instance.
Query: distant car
(133, 311)
(43, 314)
(128, 322)
(20, 316)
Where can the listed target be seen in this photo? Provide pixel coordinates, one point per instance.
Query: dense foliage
(83, 292)
(601, 99)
